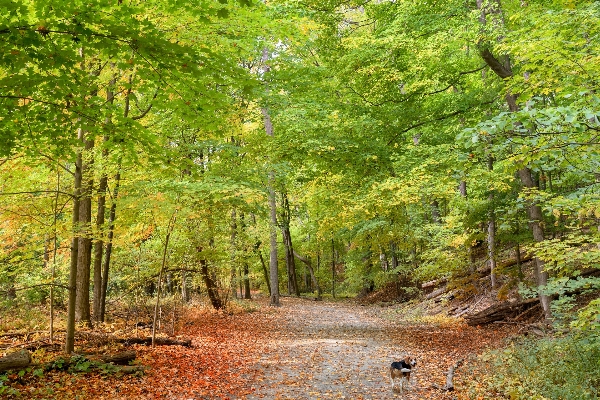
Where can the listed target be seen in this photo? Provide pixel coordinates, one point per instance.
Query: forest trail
(303, 350)
(336, 350)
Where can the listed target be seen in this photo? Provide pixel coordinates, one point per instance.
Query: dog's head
(410, 360)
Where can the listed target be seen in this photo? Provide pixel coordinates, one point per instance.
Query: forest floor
(341, 350)
(302, 350)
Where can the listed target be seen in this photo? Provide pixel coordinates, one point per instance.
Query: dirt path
(325, 350)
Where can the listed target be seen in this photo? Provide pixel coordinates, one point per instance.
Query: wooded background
(221, 147)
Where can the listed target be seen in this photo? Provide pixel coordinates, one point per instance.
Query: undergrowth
(551, 368)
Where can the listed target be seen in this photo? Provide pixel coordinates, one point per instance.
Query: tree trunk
(492, 232)
(84, 252)
(435, 212)
(211, 286)
(100, 218)
(163, 265)
(185, 297)
(273, 267)
(247, 294)
(332, 269)
(536, 218)
(54, 251)
(232, 257)
(503, 69)
(70, 334)
(99, 247)
(264, 266)
(109, 244)
(462, 188)
(311, 270)
(289, 248)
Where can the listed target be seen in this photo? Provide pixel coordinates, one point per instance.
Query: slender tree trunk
(247, 294)
(273, 267)
(170, 227)
(211, 286)
(332, 269)
(289, 248)
(492, 233)
(184, 289)
(109, 244)
(100, 219)
(99, 247)
(462, 188)
(84, 254)
(233, 227)
(54, 251)
(70, 334)
(264, 267)
(435, 212)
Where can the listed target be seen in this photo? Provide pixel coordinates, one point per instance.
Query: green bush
(554, 368)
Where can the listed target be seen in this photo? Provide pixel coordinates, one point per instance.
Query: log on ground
(122, 358)
(500, 312)
(16, 360)
(157, 341)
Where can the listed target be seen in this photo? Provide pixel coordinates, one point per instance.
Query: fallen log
(122, 358)
(436, 293)
(16, 360)
(500, 312)
(504, 264)
(433, 283)
(22, 359)
(160, 341)
(157, 341)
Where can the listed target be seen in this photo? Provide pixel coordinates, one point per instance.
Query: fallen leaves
(302, 350)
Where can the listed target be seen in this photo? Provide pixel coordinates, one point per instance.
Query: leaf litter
(301, 350)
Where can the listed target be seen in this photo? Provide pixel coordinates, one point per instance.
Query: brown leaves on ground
(302, 350)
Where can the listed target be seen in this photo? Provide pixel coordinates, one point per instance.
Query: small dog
(402, 369)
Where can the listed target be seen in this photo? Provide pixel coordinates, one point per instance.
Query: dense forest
(164, 150)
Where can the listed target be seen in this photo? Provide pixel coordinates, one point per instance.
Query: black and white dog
(402, 369)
